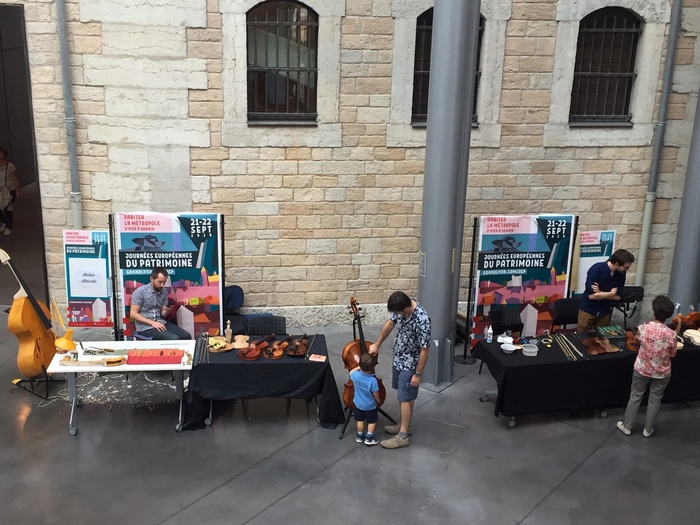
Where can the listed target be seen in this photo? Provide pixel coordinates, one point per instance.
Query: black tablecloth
(549, 382)
(225, 376)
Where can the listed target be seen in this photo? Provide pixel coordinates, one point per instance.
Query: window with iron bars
(421, 69)
(282, 41)
(604, 71)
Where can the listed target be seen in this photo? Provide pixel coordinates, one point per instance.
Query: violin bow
(308, 348)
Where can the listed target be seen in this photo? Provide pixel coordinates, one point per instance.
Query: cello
(29, 320)
(351, 358)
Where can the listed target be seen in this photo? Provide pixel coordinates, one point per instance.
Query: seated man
(149, 307)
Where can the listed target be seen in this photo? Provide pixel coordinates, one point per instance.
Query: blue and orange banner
(524, 262)
(188, 246)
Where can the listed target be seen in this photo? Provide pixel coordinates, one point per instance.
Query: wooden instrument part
(351, 358)
(278, 348)
(681, 323)
(631, 341)
(240, 341)
(29, 320)
(298, 347)
(693, 336)
(252, 353)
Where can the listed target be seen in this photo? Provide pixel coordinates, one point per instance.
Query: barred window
(282, 62)
(421, 69)
(604, 71)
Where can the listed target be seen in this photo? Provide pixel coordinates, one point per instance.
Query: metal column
(450, 106)
(684, 287)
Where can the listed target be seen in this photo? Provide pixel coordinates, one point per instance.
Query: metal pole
(468, 359)
(450, 106)
(69, 117)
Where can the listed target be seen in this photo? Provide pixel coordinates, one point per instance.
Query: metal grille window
(421, 69)
(604, 71)
(282, 62)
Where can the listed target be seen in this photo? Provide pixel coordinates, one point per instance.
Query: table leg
(180, 390)
(71, 379)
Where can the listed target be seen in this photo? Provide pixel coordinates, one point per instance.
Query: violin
(30, 321)
(278, 348)
(351, 358)
(297, 347)
(680, 323)
(253, 351)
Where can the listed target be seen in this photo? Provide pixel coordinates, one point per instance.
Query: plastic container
(489, 334)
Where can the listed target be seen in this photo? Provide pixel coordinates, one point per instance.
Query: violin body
(278, 348)
(254, 350)
(351, 359)
(681, 323)
(36, 344)
(298, 347)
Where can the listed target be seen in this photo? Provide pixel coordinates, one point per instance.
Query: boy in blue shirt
(365, 399)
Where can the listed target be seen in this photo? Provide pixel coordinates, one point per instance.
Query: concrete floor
(464, 466)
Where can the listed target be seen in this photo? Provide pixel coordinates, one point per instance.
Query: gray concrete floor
(464, 466)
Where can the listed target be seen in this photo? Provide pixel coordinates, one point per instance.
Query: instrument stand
(42, 378)
(349, 413)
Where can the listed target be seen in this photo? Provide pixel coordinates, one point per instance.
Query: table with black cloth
(225, 376)
(549, 382)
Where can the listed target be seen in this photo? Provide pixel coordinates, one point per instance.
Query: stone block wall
(316, 216)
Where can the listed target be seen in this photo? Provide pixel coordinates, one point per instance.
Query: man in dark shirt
(604, 284)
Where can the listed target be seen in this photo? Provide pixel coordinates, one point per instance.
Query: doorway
(25, 246)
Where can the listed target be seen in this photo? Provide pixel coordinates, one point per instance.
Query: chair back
(266, 324)
(502, 319)
(565, 312)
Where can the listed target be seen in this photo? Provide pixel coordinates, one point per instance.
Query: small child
(366, 399)
(652, 368)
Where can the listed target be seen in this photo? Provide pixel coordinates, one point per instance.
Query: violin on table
(253, 351)
(30, 321)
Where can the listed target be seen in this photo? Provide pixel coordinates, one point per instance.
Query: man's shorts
(401, 381)
(371, 416)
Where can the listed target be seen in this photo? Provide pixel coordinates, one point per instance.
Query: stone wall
(316, 215)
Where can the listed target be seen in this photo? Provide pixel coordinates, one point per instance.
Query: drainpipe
(69, 118)
(658, 141)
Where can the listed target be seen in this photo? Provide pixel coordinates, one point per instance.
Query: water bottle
(489, 334)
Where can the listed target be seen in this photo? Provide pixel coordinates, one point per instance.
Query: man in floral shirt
(652, 368)
(410, 356)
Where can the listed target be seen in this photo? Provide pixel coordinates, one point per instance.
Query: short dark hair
(662, 308)
(367, 362)
(622, 257)
(398, 301)
(157, 271)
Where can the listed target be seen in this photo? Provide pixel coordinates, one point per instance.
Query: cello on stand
(351, 358)
(30, 321)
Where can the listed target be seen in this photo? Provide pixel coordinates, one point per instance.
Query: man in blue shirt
(604, 284)
(149, 308)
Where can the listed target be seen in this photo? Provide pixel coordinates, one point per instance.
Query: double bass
(30, 321)
(351, 358)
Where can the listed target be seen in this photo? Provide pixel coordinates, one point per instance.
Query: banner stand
(467, 358)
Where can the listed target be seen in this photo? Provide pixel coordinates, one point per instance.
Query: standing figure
(652, 368)
(9, 180)
(604, 284)
(149, 308)
(366, 399)
(411, 350)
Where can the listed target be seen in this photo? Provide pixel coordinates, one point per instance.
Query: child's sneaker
(622, 428)
(645, 433)
(360, 438)
(371, 440)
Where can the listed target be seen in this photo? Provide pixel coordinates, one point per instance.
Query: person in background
(8, 176)
(149, 308)
(411, 349)
(604, 284)
(366, 399)
(652, 368)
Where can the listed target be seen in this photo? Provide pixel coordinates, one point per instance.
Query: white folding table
(119, 348)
